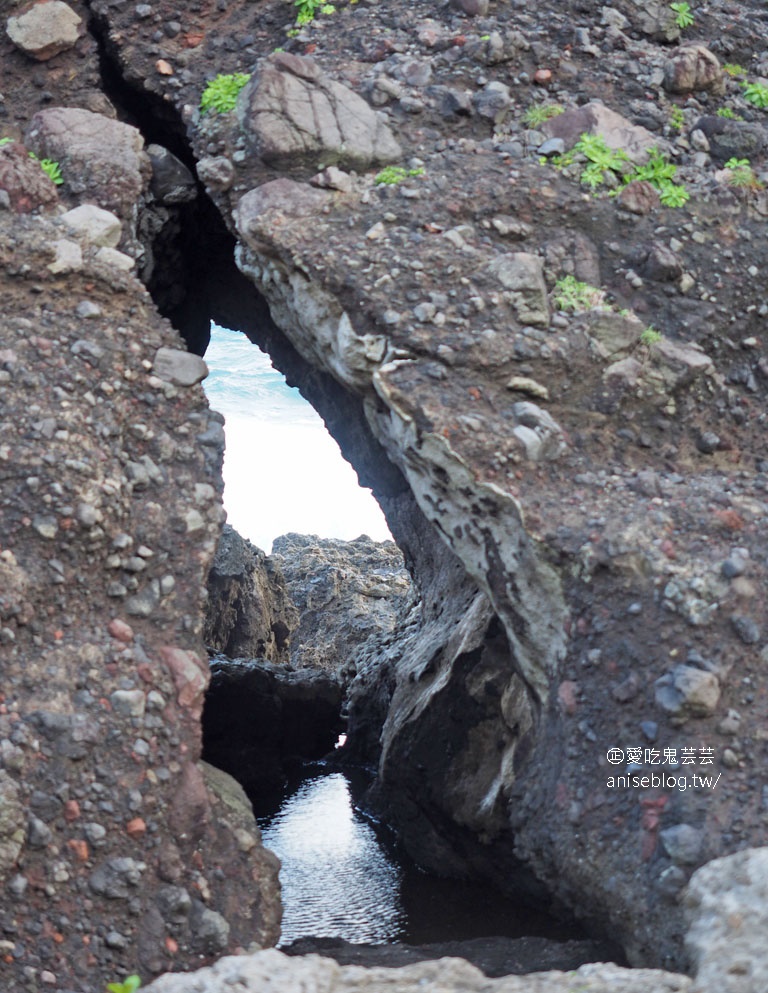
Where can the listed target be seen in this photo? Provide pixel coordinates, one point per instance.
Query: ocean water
(282, 469)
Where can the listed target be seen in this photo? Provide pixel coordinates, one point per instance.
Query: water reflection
(336, 879)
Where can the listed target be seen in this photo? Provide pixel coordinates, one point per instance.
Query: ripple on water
(336, 879)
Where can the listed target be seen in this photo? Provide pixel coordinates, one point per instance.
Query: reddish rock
(27, 186)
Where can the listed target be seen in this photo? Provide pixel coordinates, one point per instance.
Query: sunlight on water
(336, 880)
(282, 470)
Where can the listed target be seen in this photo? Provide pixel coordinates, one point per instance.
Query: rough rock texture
(278, 972)
(727, 912)
(295, 115)
(345, 592)
(583, 504)
(250, 612)
(45, 30)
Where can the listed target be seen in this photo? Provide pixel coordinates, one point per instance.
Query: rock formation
(345, 592)
(574, 470)
(250, 613)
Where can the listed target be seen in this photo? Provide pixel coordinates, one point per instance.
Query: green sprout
(129, 985)
(52, 170)
(50, 167)
(392, 175)
(733, 69)
(742, 174)
(730, 114)
(683, 15)
(308, 8)
(676, 118)
(221, 93)
(757, 94)
(650, 336)
(538, 113)
(574, 296)
(673, 195)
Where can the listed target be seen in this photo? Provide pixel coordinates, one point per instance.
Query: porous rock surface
(345, 592)
(582, 503)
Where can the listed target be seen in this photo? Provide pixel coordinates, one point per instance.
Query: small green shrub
(221, 93)
(573, 296)
(650, 336)
(392, 175)
(683, 14)
(308, 8)
(676, 118)
(733, 69)
(757, 94)
(742, 174)
(730, 114)
(604, 163)
(538, 113)
(129, 985)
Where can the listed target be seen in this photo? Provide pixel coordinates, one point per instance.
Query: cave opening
(192, 276)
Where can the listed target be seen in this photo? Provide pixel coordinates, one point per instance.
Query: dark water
(341, 881)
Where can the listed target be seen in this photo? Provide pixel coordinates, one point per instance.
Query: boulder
(45, 30)
(102, 160)
(296, 117)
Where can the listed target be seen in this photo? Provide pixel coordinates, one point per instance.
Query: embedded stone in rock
(595, 118)
(12, 823)
(101, 159)
(613, 336)
(171, 181)
(688, 692)
(27, 186)
(178, 367)
(100, 227)
(538, 431)
(654, 18)
(522, 275)
(692, 68)
(256, 210)
(472, 8)
(726, 906)
(733, 139)
(295, 116)
(45, 30)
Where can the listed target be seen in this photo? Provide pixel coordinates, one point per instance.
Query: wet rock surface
(566, 488)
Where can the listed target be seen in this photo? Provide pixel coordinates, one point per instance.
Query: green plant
(733, 69)
(52, 170)
(757, 94)
(676, 118)
(392, 175)
(540, 112)
(683, 15)
(742, 174)
(673, 195)
(129, 985)
(573, 296)
(730, 114)
(221, 93)
(613, 165)
(308, 8)
(650, 336)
